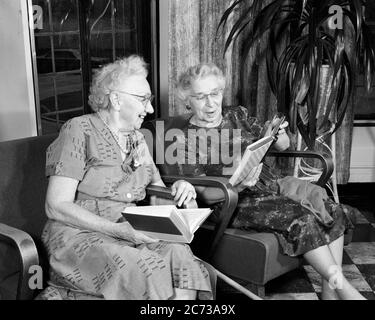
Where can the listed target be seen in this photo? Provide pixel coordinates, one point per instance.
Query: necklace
(130, 159)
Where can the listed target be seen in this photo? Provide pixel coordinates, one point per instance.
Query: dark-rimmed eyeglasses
(213, 94)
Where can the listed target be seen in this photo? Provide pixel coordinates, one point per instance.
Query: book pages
(194, 217)
(166, 222)
(252, 157)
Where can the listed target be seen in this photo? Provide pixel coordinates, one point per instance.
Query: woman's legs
(322, 260)
(184, 294)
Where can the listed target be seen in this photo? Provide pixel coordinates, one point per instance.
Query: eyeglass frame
(145, 99)
(213, 94)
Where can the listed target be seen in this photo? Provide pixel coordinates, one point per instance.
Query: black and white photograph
(216, 152)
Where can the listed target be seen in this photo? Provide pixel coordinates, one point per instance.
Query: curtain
(193, 39)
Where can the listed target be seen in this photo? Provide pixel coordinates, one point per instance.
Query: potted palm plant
(312, 73)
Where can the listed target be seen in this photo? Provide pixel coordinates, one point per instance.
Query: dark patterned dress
(83, 262)
(261, 207)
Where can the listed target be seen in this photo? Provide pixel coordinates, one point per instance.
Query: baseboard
(362, 174)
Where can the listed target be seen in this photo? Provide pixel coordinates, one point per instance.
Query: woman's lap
(296, 228)
(97, 263)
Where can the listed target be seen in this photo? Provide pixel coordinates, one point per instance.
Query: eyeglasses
(143, 99)
(214, 94)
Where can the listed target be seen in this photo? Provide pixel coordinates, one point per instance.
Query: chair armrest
(230, 202)
(166, 193)
(28, 257)
(158, 191)
(327, 163)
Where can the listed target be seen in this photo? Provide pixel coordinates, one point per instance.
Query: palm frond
(299, 43)
(226, 14)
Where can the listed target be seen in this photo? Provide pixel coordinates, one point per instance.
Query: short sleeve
(238, 117)
(66, 156)
(146, 158)
(155, 173)
(254, 123)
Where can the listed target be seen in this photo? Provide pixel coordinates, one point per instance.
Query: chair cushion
(261, 249)
(248, 255)
(8, 286)
(9, 271)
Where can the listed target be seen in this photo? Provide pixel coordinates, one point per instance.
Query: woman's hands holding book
(251, 179)
(183, 192)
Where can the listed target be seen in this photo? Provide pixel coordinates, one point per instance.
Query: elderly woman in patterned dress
(262, 205)
(98, 165)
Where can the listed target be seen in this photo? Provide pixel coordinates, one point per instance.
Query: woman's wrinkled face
(205, 100)
(134, 95)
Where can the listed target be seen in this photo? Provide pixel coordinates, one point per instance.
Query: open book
(166, 222)
(254, 155)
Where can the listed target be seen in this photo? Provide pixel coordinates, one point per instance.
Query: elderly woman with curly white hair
(98, 165)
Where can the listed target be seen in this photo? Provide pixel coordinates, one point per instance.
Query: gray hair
(194, 73)
(108, 77)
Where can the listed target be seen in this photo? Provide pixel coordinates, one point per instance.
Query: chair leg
(259, 290)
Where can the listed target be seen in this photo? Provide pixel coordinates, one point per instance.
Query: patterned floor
(358, 259)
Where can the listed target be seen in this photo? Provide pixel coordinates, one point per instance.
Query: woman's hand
(183, 192)
(283, 141)
(124, 230)
(251, 179)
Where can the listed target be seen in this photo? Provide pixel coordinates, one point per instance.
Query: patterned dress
(83, 262)
(261, 207)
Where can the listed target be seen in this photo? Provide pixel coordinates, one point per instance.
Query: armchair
(254, 258)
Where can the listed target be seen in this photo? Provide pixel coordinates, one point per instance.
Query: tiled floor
(358, 259)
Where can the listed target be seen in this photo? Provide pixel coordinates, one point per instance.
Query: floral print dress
(261, 207)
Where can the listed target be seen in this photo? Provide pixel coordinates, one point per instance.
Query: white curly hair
(108, 77)
(194, 73)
